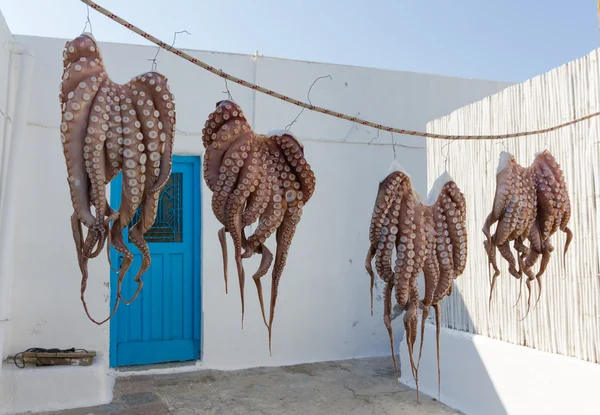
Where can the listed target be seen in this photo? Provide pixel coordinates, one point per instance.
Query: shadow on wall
(466, 383)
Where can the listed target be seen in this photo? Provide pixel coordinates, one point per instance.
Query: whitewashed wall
(323, 308)
(5, 62)
(6, 103)
(567, 319)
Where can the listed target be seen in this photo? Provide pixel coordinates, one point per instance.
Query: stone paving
(350, 387)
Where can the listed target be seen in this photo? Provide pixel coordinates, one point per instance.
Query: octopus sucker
(255, 177)
(102, 136)
(535, 204)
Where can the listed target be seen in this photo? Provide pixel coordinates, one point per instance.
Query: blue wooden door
(163, 323)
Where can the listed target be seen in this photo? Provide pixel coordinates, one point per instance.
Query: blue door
(163, 323)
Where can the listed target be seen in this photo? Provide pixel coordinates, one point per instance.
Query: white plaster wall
(480, 375)
(5, 64)
(35, 389)
(323, 308)
(6, 102)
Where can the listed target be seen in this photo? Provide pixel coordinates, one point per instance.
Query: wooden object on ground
(54, 359)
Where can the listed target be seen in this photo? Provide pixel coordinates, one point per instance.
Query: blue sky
(506, 40)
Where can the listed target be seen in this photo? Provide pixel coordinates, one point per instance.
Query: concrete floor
(351, 387)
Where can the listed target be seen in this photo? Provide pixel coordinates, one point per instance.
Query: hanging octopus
(428, 237)
(446, 252)
(531, 204)
(553, 213)
(384, 235)
(106, 129)
(514, 209)
(255, 177)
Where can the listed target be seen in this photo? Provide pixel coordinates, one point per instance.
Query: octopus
(255, 177)
(107, 129)
(446, 252)
(428, 237)
(553, 213)
(514, 209)
(385, 233)
(530, 205)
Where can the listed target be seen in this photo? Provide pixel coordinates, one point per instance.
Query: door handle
(120, 262)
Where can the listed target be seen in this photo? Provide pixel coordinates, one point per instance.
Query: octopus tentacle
(387, 320)
(235, 229)
(150, 145)
(260, 191)
(387, 238)
(507, 254)
(431, 274)
(164, 109)
(223, 242)
(411, 321)
(134, 167)
(369, 268)
(405, 246)
(94, 155)
(438, 325)
(456, 215)
(284, 236)
(569, 234)
(248, 169)
(265, 264)
(78, 238)
(387, 191)
(444, 255)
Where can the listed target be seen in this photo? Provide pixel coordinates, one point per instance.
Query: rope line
(228, 77)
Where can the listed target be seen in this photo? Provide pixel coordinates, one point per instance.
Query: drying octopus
(428, 237)
(531, 204)
(255, 177)
(106, 129)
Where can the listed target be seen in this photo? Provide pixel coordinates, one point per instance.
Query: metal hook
(227, 89)
(287, 127)
(393, 145)
(154, 65)
(374, 138)
(445, 146)
(489, 158)
(88, 22)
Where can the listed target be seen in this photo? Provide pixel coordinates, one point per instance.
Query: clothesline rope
(285, 98)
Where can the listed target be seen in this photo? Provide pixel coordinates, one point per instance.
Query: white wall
(480, 376)
(323, 307)
(567, 318)
(6, 102)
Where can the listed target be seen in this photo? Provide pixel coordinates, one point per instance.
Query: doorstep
(48, 388)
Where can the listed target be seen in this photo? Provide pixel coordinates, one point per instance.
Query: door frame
(196, 217)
